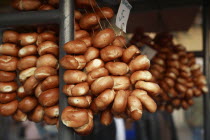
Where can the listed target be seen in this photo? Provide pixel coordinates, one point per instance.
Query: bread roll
(110, 53)
(120, 101)
(6, 87)
(27, 104)
(150, 87)
(145, 99)
(74, 117)
(74, 77)
(117, 68)
(101, 84)
(8, 109)
(105, 99)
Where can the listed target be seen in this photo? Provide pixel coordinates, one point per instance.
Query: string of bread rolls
(175, 70)
(8, 65)
(37, 65)
(103, 76)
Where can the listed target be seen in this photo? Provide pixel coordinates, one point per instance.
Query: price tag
(146, 50)
(123, 14)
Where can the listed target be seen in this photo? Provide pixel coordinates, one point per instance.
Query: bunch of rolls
(26, 66)
(8, 65)
(102, 75)
(177, 73)
(32, 5)
(46, 73)
(35, 57)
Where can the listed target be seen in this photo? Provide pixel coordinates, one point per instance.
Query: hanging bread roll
(26, 62)
(6, 87)
(117, 68)
(89, 20)
(129, 53)
(105, 99)
(80, 102)
(152, 88)
(48, 47)
(143, 75)
(141, 62)
(95, 74)
(134, 107)
(86, 128)
(105, 12)
(9, 49)
(75, 47)
(7, 76)
(91, 53)
(110, 53)
(69, 62)
(7, 97)
(120, 101)
(73, 62)
(76, 90)
(45, 36)
(121, 82)
(8, 109)
(10, 36)
(103, 38)
(8, 63)
(27, 51)
(25, 74)
(27, 104)
(74, 77)
(101, 84)
(27, 38)
(47, 60)
(94, 64)
(37, 114)
(52, 111)
(49, 97)
(106, 117)
(74, 117)
(30, 84)
(145, 99)
(50, 82)
(81, 34)
(43, 72)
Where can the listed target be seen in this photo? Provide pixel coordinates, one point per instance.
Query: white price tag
(123, 14)
(146, 50)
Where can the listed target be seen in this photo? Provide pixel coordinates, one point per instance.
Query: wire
(95, 13)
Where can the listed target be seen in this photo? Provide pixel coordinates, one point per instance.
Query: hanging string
(85, 11)
(95, 13)
(93, 32)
